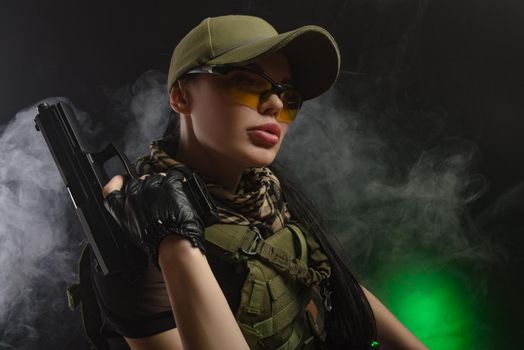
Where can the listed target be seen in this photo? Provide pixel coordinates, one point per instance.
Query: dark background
(460, 57)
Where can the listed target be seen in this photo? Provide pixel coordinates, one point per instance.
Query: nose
(272, 105)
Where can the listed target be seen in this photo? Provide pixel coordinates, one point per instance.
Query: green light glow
(434, 304)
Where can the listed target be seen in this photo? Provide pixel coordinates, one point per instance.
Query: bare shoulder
(168, 340)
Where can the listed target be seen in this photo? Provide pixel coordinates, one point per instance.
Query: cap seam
(236, 46)
(209, 35)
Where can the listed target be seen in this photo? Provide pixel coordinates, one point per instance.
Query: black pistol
(82, 169)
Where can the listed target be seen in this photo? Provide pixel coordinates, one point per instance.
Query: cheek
(217, 124)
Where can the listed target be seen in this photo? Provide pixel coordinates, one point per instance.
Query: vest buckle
(251, 251)
(327, 298)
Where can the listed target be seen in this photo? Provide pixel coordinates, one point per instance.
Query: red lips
(272, 128)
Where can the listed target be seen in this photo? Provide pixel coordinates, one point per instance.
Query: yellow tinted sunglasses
(250, 87)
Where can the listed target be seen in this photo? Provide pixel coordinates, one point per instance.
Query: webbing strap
(257, 297)
(229, 237)
(296, 267)
(277, 322)
(280, 259)
(302, 239)
(292, 342)
(250, 335)
(277, 286)
(245, 240)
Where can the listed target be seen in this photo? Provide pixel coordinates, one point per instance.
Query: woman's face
(224, 126)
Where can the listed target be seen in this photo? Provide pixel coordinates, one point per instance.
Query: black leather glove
(153, 208)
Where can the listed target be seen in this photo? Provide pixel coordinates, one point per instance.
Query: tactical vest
(276, 311)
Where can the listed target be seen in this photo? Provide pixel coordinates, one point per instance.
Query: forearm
(201, 311)
(392, 334)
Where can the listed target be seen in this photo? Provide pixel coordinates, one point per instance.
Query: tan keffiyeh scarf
(257, 199)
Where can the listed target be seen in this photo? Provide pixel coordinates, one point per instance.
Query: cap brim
(312, 52)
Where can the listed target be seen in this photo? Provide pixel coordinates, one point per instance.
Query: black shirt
(140, 307)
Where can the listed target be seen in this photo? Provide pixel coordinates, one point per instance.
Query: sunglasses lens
(292, 102)
(244, 97)
(248, 89)
(245, 87)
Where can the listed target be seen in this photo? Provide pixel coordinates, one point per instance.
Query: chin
(260, 157)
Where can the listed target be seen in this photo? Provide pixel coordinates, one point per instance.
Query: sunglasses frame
(223, 69)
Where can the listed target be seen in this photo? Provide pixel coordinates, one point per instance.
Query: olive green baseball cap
(312, 52)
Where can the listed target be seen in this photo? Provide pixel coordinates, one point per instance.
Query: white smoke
(145, 108)
(384, 204)
(39, 246)
(40, 236)
(382, 207)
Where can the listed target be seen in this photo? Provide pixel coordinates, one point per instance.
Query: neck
(207, 162)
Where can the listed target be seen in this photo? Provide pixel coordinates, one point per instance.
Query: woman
(236, 84)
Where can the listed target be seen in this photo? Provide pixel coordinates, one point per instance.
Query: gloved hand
(153, 208)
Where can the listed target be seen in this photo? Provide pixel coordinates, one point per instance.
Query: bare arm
(203, 317)
(201, 311)
(392, 334)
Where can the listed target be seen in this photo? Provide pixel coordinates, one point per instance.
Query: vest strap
(292, 342)
(246, 240)
(250, 334)
(257, 297)
(229, 237)
(280, 259)
(279, 321)
(277, 286)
